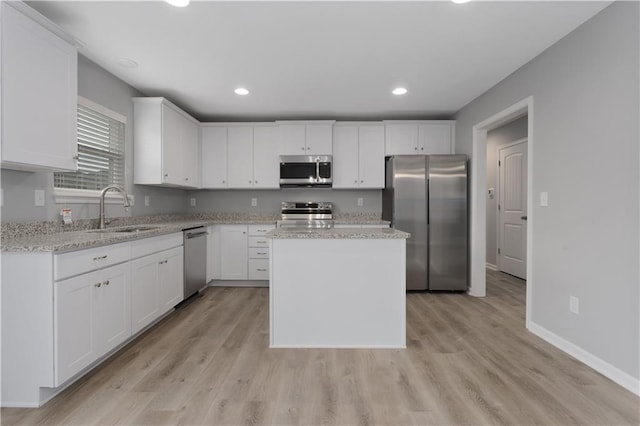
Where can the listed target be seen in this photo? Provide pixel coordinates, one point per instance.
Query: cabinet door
(292, 139)
(172, 151)
(75, 315)
(345, 157)
(214, 157)
(39, 80)
(371, 157)
(233, 256)
(266, 160)
(171, 278)
(145, 297)
(190, 159)
(319, 139)
(114, 307)
(435, 138)
(401, 139)
(213, 253)
(240, 155)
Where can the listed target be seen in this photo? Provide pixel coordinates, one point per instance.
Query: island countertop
(337, 233)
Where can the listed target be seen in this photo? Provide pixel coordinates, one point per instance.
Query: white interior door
(512, 209)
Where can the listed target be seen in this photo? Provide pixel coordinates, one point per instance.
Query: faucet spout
(125, 201)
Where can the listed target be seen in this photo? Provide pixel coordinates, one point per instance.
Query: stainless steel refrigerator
(427, 196)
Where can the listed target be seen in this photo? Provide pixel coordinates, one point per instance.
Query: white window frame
(89, 196)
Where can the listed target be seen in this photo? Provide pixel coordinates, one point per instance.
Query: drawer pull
(261, 242)
(261, 253)
(106, 282)
(262, 270)
(162, 262)
(100, 257)
(98, 285)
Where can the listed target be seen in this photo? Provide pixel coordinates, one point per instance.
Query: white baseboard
(492, 266)
(620, 377)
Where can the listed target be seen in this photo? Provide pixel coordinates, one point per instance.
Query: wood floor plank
(468, 361)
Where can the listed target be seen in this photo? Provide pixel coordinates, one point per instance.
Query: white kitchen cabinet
(419, 137)
(91, 317)
(250, 150)
(240, 156)
(259, 252)
(233, 257)
(165, 144)
(145, 297)
(266, 160)
(214, 157)
(358, 160)
(39, 90)
(214, 250)
(306, 138)
(171, 274)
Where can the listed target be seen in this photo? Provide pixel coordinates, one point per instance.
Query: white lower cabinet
(233, 255)
(92, 315)
(171, 278)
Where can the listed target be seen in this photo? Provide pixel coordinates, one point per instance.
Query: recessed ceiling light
(178, 3)
(127, 63)
(461, 1)
(241, 91)
(399, 91)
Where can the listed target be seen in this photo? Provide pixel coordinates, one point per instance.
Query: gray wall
(585, 154)
(96, 84)
(496, 138)
(269, 200)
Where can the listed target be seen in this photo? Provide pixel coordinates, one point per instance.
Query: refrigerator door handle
(427, 200)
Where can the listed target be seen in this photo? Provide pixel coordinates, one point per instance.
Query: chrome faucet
(125, 198)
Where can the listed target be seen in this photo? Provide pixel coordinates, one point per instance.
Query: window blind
(100, 152)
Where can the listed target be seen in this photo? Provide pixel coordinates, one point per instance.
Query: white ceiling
(317, 59)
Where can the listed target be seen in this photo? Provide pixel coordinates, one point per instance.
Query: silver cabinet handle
(262, 270)
(166, 175)
(100, 257)
(106, 282)
(303, 148)
(355, 181)
(415, 149)
(361, 181)
(162, 262)
(97, 285)
(76, 157)
(262, 253)
(223, 182)
(523, 217)
(255, 181)
(422, 148)
(261, 242)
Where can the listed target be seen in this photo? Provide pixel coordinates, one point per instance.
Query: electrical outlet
(544, 199)
(193, 202)
(360, 202)
(39, 197)
(574, 305)
(254, 202)
(146, 201)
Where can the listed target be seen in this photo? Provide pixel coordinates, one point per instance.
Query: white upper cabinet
(165, 144)
(250, 150)
(266, 161)
(39, 95)
(214, 157)
(240, 156)
(419, 137)
(306, 138)
(358, 159)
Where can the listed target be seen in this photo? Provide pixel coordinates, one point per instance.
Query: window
(100, 149)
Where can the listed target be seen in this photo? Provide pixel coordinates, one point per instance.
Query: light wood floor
(468, 361)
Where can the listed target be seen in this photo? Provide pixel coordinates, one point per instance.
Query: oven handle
(317, 169)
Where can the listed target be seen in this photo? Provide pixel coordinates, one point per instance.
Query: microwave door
(297, 173)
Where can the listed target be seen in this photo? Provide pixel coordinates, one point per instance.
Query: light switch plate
(574, 305)
(254, 202)
(360, 202)
(146, 200)
(544, 199)
(193, 202)
(39, 197)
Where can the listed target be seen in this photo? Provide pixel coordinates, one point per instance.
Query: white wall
(496, 138)
(585, 154)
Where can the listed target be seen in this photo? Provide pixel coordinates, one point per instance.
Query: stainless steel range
(310, 214)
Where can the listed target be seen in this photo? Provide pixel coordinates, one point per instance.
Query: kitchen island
(337, 288)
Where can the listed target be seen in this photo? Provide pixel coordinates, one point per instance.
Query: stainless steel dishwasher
(195, 260)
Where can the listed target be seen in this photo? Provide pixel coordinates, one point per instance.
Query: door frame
(478, 203)
(509, 145)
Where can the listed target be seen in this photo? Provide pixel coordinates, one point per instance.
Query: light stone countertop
(337, 233)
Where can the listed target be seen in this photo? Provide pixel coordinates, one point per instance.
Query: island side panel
(342, 293)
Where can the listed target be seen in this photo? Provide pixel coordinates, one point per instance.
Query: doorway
(478, 228)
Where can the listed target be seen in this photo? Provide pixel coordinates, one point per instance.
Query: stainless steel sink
(125, 229)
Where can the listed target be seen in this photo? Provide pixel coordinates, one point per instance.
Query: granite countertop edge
(333, 233)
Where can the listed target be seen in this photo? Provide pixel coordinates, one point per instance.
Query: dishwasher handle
(195, 234)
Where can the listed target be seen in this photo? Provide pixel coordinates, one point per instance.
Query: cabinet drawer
(152, 245)
(259, 230)
(258, 252)
(258, 269)
(81, 261)
(258, 242)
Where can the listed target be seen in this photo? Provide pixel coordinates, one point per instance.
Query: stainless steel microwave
(305, 170)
